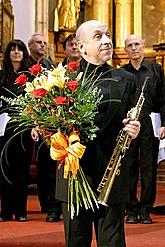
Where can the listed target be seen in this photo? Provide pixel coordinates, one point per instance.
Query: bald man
(118, 88)
(144, 151)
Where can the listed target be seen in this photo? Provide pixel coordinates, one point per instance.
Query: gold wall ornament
(101, 11)
(89, 2)
(123, 21)
(88, 10)
(137, 22)
(6, 26)
(66, 14)
(160, 58)
(153, 22)
(7, 4)
(161, 31)
(160, 54)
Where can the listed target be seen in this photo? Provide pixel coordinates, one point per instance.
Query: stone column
(101, 11)
(41, 21)
(138, 17)
(123, 21)
(42, 24)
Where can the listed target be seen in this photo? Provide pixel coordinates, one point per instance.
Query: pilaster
(123, 21)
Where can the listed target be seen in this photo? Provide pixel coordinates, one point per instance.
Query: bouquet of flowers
(61, 104)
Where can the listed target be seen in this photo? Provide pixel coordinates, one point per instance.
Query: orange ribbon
(68, 149)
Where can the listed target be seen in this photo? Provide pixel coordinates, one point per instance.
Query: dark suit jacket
(118, 93)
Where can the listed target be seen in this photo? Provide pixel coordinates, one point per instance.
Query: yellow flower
(29, 87)
(39, 80)
(45, 83)
(57, 77)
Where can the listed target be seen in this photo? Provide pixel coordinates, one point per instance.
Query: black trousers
(108, 224)
(142, 159)
(46, 179)
(15, 162)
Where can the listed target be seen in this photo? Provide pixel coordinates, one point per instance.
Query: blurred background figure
(37, 47)
(71, 50)
(46, 167)
(144, 151)
(15, 159)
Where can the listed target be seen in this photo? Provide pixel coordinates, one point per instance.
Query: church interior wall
(146, 16)
(24, 19)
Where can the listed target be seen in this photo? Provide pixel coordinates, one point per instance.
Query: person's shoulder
(31, 60)
(65, 61)
(125, 66)
(152, 64)
(46, 63)
(155, 67)
(2, 73)
(123, 73)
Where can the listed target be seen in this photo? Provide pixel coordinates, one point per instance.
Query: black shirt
(155, 90)
(44, 62)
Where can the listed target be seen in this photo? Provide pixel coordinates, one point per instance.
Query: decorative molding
(138, 17)
(6, 25)
(8, 5)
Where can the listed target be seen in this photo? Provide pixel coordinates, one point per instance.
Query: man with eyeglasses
(144, 152)
(71, 49)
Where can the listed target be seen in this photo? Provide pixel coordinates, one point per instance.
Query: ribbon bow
(67, 149)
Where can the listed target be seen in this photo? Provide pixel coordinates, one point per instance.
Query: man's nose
(75, 46)
(133, 46)
(106, 39)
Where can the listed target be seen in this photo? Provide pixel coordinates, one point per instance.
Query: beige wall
(24, 18)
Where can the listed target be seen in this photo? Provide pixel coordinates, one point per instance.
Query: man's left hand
(132, 127)
(162, 133)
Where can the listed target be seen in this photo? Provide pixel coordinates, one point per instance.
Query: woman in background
(14, 159)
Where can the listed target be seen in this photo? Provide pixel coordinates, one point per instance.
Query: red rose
(39, 92)
(72, 85)
(35, 69)
(21, 80)
(60, 100)
(72, 66)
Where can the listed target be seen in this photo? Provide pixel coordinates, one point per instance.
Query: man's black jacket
(118, 91)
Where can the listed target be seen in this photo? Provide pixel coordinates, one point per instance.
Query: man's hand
(162, 133)
(132, 127)
(35, 135)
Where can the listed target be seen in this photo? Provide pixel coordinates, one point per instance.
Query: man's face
(71, 49)
(96, 45)
(38, 47)
(134, 46)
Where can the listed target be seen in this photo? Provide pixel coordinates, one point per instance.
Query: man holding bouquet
(118, 90)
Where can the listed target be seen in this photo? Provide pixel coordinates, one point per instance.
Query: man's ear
(80, 47)
(29, 46)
